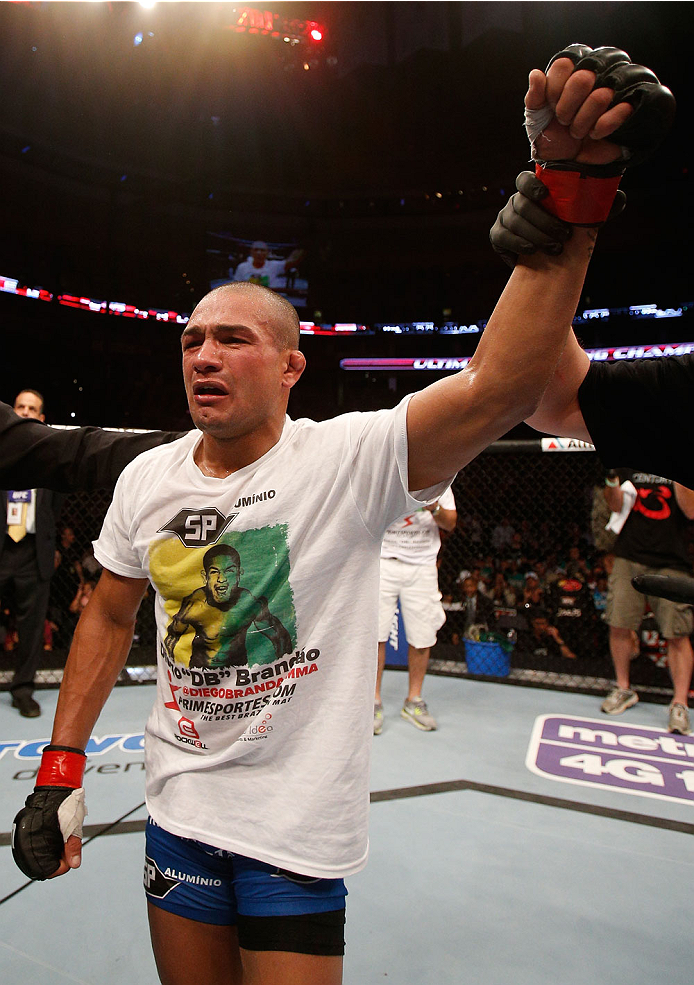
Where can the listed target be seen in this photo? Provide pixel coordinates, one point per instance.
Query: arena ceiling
(127, 134)
(398, 97)
(118, 158)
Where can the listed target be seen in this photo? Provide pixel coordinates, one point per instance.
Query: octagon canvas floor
(529, 839)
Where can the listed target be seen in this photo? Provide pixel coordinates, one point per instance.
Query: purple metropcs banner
(635, 759)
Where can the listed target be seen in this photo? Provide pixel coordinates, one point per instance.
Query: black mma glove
(523, 226)
(583, 193)
(53, 812)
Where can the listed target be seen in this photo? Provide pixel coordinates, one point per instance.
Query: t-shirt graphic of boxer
(220, 614)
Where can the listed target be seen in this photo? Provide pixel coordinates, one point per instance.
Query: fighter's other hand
(596, 108)
(47, 832)
(524, 226)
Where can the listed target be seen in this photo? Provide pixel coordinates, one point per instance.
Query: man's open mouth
(209, 390)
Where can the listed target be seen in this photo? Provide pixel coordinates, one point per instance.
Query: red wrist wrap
(61, 769)
(577, 198)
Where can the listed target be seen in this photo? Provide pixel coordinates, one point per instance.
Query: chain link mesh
(531, 540)
(75, 574)
(530, 534)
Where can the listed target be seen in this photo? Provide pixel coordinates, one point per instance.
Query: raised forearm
(527, 332)
(453, 420)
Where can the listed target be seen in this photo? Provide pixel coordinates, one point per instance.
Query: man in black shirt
(651, 541)
(543, 641)
(633, 414)
(27, 552)
(570, 603)
(621, 408)
(33, 454)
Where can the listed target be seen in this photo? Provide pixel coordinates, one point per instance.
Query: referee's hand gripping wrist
(47, 832)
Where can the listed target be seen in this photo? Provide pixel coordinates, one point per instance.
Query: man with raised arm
(632, 413)
(619, 407)
(257, 775)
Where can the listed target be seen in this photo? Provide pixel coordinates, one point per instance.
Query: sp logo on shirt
(198, 528)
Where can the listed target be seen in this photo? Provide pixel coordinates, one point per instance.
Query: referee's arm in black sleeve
(33, 455)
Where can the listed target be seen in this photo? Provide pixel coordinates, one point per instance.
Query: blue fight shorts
(211, 885)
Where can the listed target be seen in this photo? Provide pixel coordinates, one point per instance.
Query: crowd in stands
(544, 584)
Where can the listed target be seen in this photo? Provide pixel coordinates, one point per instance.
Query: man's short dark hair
(220, 550)
(284, 320)
(30, 389)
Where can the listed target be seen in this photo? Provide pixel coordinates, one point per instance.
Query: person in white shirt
(258, 269)
(257, 772)
(409, 576)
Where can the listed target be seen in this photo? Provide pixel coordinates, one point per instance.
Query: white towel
(617, 520)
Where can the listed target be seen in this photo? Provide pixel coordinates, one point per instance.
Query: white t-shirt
(271, 274)
(416, 539)
(262, 752)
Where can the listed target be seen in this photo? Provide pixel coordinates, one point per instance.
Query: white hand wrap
(536, 121)
(72, 813)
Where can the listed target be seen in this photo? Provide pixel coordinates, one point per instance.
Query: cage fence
(530, 547)
(529, 544)
(76, 572)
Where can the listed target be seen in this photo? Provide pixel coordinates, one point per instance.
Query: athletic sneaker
(618, 700)
(417, 712)
(378, 719)
(678, 720)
